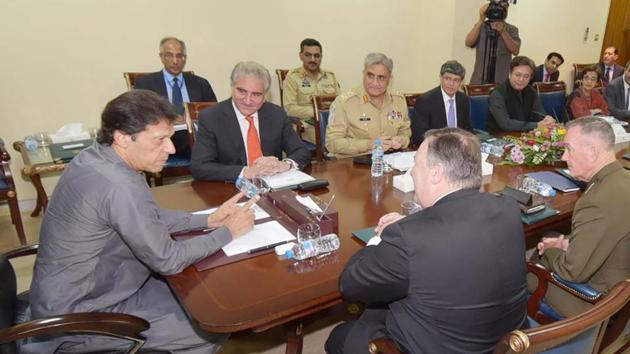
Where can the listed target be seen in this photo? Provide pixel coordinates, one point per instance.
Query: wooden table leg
(42, 198)
(295, 338)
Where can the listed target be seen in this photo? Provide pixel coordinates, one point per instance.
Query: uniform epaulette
(347, 95)
(394, 92)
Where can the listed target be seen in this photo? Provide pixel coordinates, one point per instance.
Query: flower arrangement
(536, 147)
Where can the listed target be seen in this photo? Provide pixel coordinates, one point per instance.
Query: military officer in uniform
(360, 116)
(302, 83)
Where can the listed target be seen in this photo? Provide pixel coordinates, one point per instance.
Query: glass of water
(307, 232)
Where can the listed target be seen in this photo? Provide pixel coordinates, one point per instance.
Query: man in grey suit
(617, 95)
(105, 245)
(178, 86)
(244, 135)
(449, 278)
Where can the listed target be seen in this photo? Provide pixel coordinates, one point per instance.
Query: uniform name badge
(364, 118)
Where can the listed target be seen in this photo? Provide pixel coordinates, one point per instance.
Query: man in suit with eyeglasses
(178, 86)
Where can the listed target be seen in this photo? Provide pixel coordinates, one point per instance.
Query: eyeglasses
(171, 56)
(589, 78)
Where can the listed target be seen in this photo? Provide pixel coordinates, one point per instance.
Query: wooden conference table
(266, 291)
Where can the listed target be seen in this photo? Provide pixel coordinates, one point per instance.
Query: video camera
(497, 10)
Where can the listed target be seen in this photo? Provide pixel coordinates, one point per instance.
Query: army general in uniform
(302, 83)
(369, 112)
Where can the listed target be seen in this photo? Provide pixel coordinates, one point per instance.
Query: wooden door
(618, 30)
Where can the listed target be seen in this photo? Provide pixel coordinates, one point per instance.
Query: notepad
(555, 180)
(261, 235)
(259, 213)
(287, 180)
(364, 234)
(541, 215)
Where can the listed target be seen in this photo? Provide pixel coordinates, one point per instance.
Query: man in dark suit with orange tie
(244, 135)
(609, 67)
(443, 106)
(176, 85)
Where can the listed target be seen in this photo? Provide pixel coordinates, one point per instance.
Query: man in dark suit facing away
(176, 85)
(244, 135)
(443, 106)
(449, 278)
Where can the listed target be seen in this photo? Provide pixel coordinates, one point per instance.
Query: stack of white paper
(287, 179)
(262, 235)
(258, 211)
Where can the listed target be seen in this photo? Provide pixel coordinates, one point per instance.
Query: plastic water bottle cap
(377, 141)
(289, 254)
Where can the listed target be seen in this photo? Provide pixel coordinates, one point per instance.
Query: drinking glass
(42, 139)
(307, 232)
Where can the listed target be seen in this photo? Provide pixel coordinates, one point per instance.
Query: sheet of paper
(309, 203)
(262, 235)
(401, 161)
(258, 211)
(287, 179)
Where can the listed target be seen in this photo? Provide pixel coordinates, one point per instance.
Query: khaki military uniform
(354, 122)
(299, 88)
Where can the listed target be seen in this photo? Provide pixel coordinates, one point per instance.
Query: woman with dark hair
(585, 100)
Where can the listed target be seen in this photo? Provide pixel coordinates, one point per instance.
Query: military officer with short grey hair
(369, 112)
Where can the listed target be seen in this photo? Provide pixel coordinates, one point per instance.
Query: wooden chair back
(321, 107)
(130, 77)
(281, 74)
(411, 99)
(191, 111)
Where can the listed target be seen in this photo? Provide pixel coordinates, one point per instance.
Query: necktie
(628, 99)
(607, 74)
(546, 77)
(450, 117)
(178, 101)
(253, 142)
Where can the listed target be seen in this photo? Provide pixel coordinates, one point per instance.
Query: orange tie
(253, 143)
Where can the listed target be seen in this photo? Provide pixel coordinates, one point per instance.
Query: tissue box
(486, 167)
(404, 183)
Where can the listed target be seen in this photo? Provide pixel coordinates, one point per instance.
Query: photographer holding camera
(495, 42)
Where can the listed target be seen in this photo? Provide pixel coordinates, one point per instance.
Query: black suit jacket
(616, 99)
(430, 113)
(538, 75)
(452, 276)
(617, 71)
(199, 89)
(219, 150)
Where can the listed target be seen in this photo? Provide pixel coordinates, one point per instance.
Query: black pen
(267, 247)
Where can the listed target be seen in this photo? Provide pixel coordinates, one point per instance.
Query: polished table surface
(265, 291)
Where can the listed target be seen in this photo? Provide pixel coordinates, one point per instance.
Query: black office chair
(13, 308)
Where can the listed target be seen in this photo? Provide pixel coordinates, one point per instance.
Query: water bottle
(314, 247)
(30, 143)
(245, 185)
(531, 184)
(377, 159)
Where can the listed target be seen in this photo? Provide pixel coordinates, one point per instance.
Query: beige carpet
(269, 342)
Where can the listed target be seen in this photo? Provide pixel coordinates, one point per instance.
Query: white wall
(64, 59)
